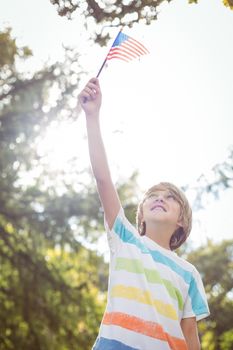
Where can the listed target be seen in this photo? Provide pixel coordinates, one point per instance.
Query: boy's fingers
(87, 96)
(90, 90)
(83, 97)
(95, 81)
(93, 87)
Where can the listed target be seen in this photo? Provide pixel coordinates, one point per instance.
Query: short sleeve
(117, 235)
(196, 304)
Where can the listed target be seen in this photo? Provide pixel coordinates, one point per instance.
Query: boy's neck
(160, 235)
(162, 243)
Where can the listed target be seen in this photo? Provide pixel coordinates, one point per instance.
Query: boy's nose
(160, 198)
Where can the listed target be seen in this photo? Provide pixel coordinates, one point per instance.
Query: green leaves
(228, 3)
(49, 283)
(215, 263)
(112, 14)
(8, 48)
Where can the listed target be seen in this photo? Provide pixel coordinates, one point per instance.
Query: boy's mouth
(158, 207)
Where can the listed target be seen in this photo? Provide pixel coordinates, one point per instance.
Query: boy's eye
(152, 196)
(171, 196)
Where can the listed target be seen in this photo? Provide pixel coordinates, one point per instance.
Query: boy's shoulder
(186, 264)
(171, 258)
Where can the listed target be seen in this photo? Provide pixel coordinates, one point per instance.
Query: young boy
(155, 298)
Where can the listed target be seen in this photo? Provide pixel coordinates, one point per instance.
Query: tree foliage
(218, 179)
(228, 3)
(50, 295)
(113, 13)
(215, 263)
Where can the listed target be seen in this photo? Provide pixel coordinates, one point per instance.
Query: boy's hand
(90, 98)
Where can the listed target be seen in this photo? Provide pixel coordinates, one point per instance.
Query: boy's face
(161, 205)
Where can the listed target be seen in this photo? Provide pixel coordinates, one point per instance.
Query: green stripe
(152, 276)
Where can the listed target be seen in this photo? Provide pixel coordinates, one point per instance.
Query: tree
(220, 178)
(113, 13)
(228, 3)
(215, 263)
(52, 288)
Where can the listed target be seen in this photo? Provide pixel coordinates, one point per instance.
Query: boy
(155, 298)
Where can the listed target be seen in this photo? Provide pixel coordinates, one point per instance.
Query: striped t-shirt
(150, 290)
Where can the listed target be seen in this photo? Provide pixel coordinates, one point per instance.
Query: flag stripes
(126, 48)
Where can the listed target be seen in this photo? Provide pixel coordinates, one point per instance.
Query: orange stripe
(148, 328)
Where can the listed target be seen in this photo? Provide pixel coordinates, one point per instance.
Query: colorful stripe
(144, 297)
(111, 344)
(197, 302)
(147, 328)
(152, 276)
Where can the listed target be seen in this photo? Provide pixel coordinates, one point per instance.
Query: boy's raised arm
(90, 99)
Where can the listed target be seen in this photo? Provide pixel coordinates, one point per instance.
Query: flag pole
(101, 68)
(105, 60)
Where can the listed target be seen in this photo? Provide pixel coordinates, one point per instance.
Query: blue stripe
(109, 344)
(198, 304)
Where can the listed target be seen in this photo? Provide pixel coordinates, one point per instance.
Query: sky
(169, 115)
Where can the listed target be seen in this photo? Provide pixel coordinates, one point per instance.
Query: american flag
(126, 48)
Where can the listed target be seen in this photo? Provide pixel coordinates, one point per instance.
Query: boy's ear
(179, 223)
(141, 216)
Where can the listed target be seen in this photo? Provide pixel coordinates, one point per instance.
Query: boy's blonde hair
(181, 234)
